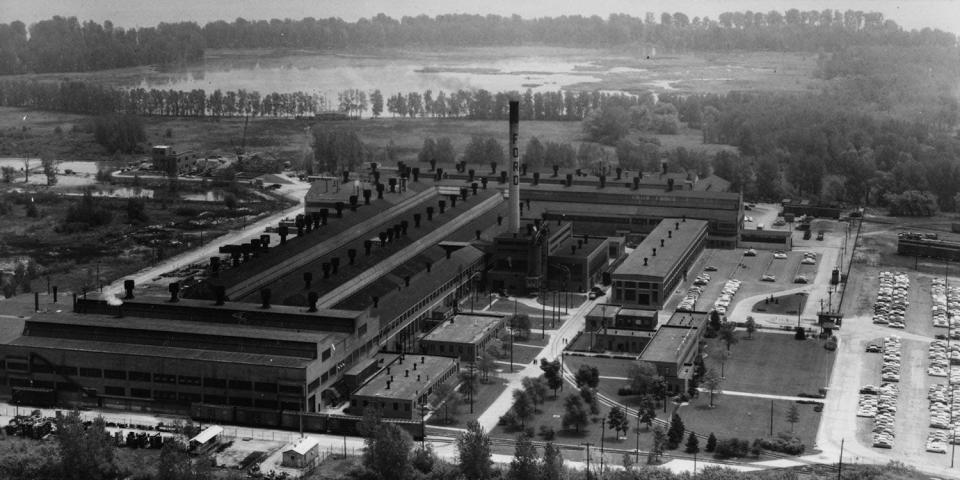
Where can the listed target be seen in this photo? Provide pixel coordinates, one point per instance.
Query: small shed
(301, 454)
(206, 440)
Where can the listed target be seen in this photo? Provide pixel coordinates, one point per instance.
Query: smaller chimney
(388, 384)
(406, 281)
(414, 366)
(376, 301)
(669, 233)
(644, 261)
(265, 297)
(406, 373)
(423, 359)
(661, 241)
(418, 378)
(573, 249)
(676, 226)
(654, 251)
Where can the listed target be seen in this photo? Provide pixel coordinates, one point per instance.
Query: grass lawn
(507, 306)
(459, 416)
(333, 468)
(568, 300)
(800, 366)
(550, 414)
(781, 305)
(746, 418)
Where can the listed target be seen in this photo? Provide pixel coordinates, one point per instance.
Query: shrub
(711, 443)
(732, 448)
(529, 431)
(784, 443)
(800, 334)
(547, 432)
(510, 421)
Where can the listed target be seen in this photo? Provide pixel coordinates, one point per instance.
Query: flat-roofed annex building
(674, 348)
(398, 390)
(464, 336)
(651, 272)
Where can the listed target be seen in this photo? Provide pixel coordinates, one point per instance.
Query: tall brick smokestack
(515, 166)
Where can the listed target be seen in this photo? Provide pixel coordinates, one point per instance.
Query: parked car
(779, 255)
(800, 279)
(806, 235)
(820, 236)
(750, 253)
(768, 278)
(710, 268)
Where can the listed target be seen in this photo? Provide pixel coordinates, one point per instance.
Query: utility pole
(638, 436)
(423, 430)
(588, 445)
(512, 327)
(771, 417)
(840, 465)
(603, 427)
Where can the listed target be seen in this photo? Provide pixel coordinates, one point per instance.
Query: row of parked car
(891, 305)
(883, 432)
(946, 308)
(941, 355)
(867, 402)
(890, 368)
(944, 408)
(726, 296)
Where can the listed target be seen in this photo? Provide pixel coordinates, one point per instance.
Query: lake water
(329, 73)
(134, 192)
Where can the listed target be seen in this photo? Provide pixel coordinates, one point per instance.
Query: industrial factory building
(650, 273)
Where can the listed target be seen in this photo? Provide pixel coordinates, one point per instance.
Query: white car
(779, 255)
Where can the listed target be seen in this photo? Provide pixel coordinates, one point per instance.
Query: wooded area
(65, 45)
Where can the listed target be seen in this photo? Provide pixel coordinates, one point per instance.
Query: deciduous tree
(587, 375)
(575, 413)
(473, 448)
(526, 463)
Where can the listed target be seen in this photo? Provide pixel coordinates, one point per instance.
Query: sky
(910, 14)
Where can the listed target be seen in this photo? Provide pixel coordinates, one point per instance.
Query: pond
(137, 192)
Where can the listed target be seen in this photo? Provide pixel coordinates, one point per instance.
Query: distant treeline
(65, 45)
(92, 99)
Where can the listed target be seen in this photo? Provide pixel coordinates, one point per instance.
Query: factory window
(117, 374)
(67, 387)
(315, 383)
(265, 403)
(214, 382)
(63, 370)
(293, 389)
(215, 399)
(188, 380)
(19, 382)
(323, 378)
(140, 392)
(362, 330)
(164, 395)
(396, 406)
(189, 397)
(42, 368)
(161, 378)
(119, 391)
(406, 407)
(265, 387)
(240, 401)
(241, 385)
(325, 355)
(290, 406)
(139, 376)
(91, 372)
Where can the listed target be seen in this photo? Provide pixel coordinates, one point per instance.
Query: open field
(747, 418)
(801, 366)
(459, 416)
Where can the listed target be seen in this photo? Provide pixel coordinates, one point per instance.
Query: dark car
(820, 236)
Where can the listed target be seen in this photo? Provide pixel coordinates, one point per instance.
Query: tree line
(88, 98)
(65, 45)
